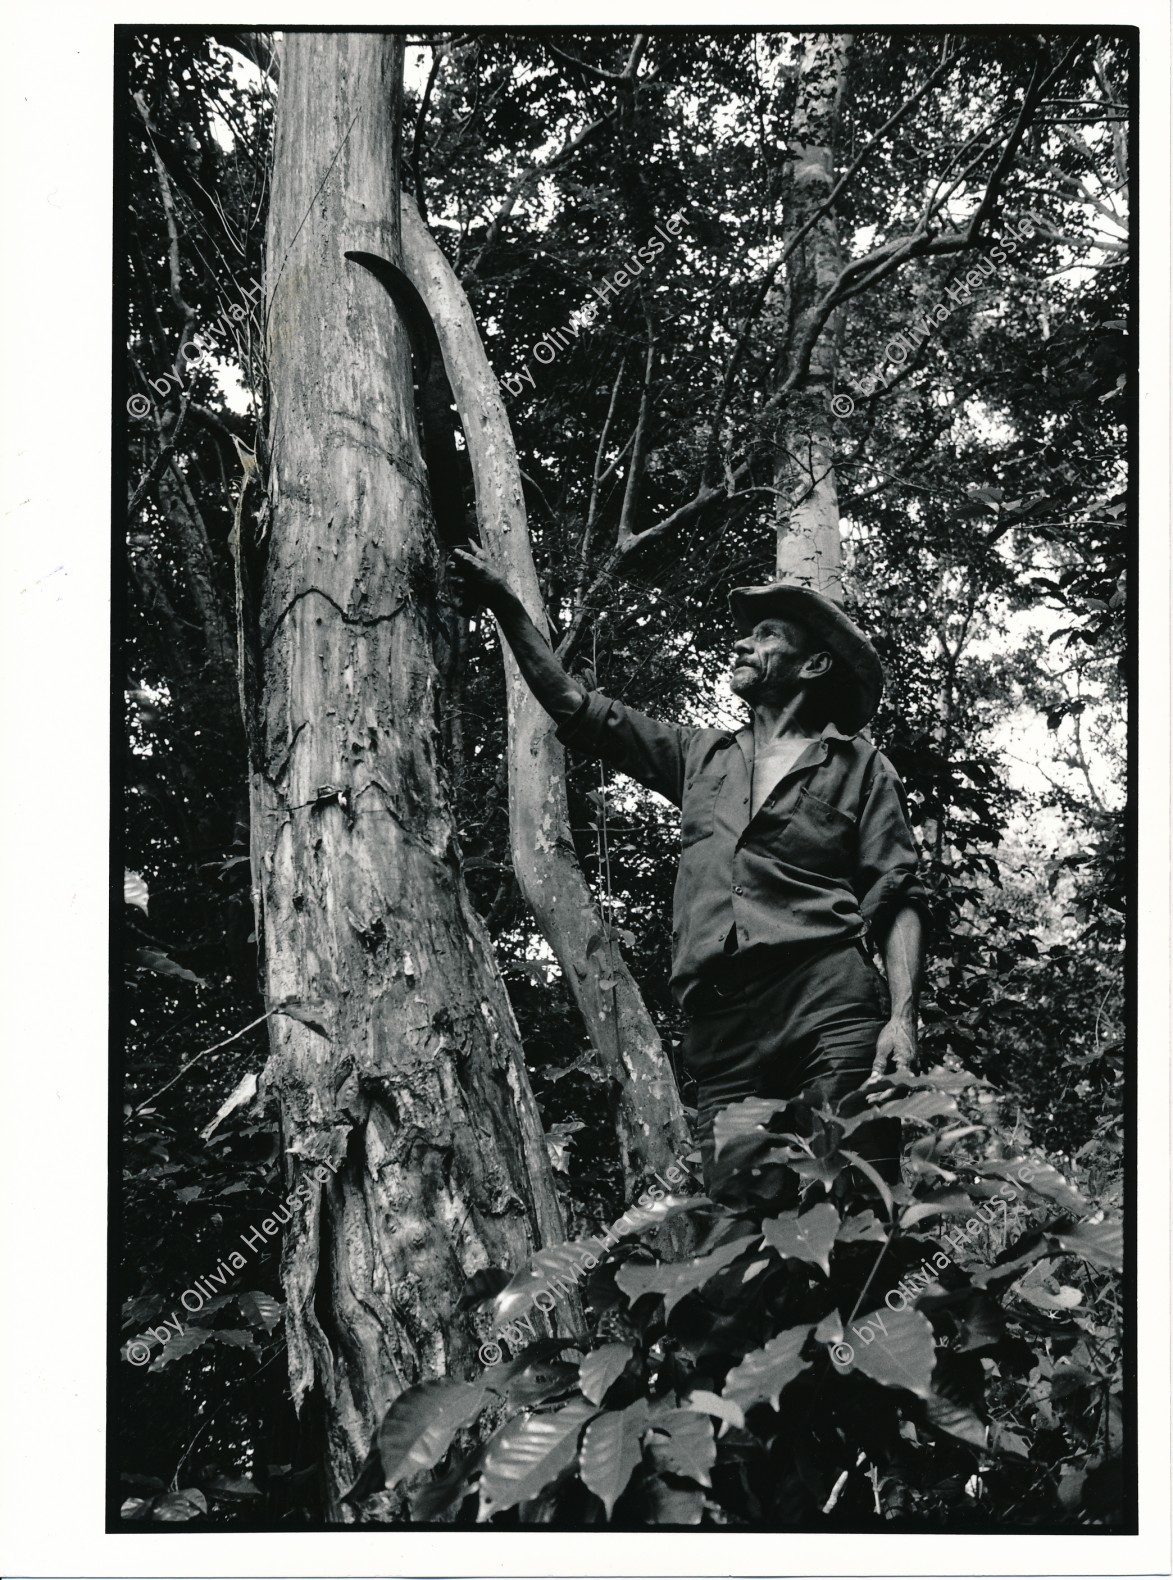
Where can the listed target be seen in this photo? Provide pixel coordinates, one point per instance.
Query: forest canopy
(718, 284)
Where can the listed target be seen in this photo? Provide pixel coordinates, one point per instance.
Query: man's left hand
(896, 1044)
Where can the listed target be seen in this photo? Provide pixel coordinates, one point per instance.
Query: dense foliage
(943, 1352)
(984, 498)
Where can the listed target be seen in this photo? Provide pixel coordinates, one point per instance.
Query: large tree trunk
(650, 1121)
(807, 517)
(397, 1058)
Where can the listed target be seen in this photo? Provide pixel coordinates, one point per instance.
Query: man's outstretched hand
(477, 581)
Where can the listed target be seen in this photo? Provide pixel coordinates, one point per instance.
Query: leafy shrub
(838, 1353)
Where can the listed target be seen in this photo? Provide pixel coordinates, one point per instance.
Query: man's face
(773, 662)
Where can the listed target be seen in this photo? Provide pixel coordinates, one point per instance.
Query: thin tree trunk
(397, 1060)
(199, 576)
(807, 511)
(650, 1121)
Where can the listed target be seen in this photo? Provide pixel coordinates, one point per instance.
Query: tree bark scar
(453, 526)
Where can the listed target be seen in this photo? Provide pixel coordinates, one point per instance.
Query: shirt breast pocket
(699, 808)
(818, 838)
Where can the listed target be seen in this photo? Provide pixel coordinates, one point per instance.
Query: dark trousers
(810, 1026)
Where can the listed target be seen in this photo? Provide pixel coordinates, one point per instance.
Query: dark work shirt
(828, 856)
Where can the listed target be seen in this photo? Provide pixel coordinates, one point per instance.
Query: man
(796, 846)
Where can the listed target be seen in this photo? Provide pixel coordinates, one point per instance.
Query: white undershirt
(771, 762)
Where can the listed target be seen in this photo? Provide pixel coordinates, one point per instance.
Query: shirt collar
(829, 732)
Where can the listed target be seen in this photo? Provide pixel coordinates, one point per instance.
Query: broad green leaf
(194, 1338)
(155, 960)
(706, 1403)
(745, 1120)
(674, 1280)
(764, 1373)
(540, 1381)
(432, 1500)
(237, 1338)
(636, 1219)
(958, 1420)
(499, 1378)
(881, 1185)
(938, 1079)
(686, 1448)
(1003, 1441)
(1044, 1181)
(1099, 1243)
(598, 1370)
(661, 1504)
(862, 1226)
(187, 1504)
(826, 1170)
(239, 1097)
(181, 1344)
(234, 1487)
(808, 1237)
(485, 1284)
(979, 1319)
(315, 1016)
(1006, 1272)
(930, 1206)
(260, 1309)
(134, 889)
(900, 1353)
(528, 1452)
(922, 1107)
(830, 1329)
(555, 1270)
(611, 1451)
(418, 1429)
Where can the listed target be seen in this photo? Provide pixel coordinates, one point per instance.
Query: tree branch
(800, 235)
(639, 446)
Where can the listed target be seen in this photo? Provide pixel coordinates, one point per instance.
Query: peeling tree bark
(807, 511)
(649, 1118)
(397, 1058)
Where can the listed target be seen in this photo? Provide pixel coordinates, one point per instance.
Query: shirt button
(737, 889)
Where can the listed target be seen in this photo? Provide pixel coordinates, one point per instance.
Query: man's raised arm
(645, 748)
(559, 693)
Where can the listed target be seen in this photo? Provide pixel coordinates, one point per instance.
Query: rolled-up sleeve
(887, 872)
(645, 748)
